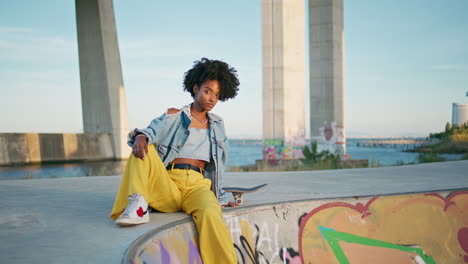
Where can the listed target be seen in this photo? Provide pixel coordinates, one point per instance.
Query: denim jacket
(169, 132)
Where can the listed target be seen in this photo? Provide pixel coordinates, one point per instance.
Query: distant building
(459, 114)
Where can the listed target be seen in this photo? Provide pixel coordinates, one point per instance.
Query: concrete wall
(23, 148)
(326, 47)
(409, 228)
(102, 89)
(283, 70)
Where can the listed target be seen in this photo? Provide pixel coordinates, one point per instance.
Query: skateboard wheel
(237, 192)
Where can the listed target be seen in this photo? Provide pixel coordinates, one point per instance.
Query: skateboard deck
(237, 192)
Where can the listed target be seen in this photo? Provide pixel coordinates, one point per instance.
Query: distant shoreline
(388, 140)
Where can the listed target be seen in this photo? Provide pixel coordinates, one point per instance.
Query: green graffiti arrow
(334, 237)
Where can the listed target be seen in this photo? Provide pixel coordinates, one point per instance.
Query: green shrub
(323, 160)
(429, 157)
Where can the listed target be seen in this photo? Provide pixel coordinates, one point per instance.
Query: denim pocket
(162, 150)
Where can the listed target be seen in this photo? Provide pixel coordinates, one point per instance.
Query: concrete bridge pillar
(102, 89)
(326, 48)
(284, 71)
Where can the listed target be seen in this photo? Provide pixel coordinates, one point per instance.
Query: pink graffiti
(165, 258)
(463, 240)
(194, 255)
(328, 132)
(270, 153)
(291, 260)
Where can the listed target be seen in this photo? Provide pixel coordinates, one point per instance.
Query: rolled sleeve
(222, 199)
(151, 132)
(132, 135)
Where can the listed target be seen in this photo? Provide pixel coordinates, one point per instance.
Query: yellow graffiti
(426, 221)
(410, 228)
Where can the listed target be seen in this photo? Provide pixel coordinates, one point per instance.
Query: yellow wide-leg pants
(176, 190)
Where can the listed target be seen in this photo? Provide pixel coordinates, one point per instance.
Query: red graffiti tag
(448, 201)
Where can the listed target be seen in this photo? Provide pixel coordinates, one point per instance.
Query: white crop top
(198, 145)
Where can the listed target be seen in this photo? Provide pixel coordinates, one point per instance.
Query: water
(242, 152)
(62, 170)
(245, 152)
(383, 156)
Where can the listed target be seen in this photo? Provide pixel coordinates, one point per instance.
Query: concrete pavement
(66, 220)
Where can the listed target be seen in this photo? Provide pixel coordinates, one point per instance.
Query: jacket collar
(212, 117)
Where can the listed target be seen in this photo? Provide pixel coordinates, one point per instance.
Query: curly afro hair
(205, 69)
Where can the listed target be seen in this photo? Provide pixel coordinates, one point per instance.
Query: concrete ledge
(401, 228)
(66, 220)
(23, 148)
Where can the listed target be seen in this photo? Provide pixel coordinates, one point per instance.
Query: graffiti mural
(172, 246)
(287, 148)
(254, 243)
(277, 149)
(331, 137)
(356, 249)
(411, 228)
(427, 222)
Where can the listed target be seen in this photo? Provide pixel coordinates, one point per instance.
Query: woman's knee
(213, 210)
(151, 156)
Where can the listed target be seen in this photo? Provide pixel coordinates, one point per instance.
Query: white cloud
(156, 47)
(4, 30)
(28, 45)
(145, 73)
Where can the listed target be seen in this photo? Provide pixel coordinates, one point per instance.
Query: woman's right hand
(229, 204)
(140, 146)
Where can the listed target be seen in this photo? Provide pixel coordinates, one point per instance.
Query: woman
(177, 162)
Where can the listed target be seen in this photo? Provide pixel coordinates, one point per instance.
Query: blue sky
(406, 62)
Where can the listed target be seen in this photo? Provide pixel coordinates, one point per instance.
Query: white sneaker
(136, 212)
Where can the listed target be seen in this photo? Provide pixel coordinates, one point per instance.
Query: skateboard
(237, 192)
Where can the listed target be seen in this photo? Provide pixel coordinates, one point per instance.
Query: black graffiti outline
(240, 253)
(292, 253)
(253, 254)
